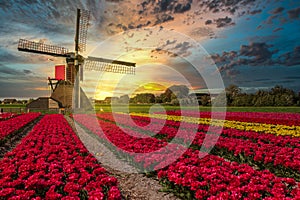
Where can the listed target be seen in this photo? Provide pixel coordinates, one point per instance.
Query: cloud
(202, 32)
(181, 8)
(278, 17)
(150, 87)
(231, 6)
(182, 49)
(9, 56)
(174, 6)
(209, 21)
(263, 39)
(260, 52)
(163, 18)
(222, 22)
(277, 10)
(167, 7)
(114, 1)
(254, 12)
(254, 54)
(292, 77)
(115, 28)
(294, 13)
(27, 71)
(11, 71)
(232, 72)
(291, 58)
(262, 79)
(277, 29)
(225, 57)
(174, 49)
(12, 88)
(7, 70)
(270, 19)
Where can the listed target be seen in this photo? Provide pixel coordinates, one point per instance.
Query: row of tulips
(190, 176)
(214, 178)
(290, 119)
(279, 140)
(260, 152)
(147, 153)
(158, 128)
(153, 126)
(52, 163)
(129, 141)
(244, 126)
(7, 115)
(281, 160)
(13, 124)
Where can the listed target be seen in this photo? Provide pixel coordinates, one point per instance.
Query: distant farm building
(9, 101)
(42, 104)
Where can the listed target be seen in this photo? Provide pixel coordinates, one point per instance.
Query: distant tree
(231, 92)
(175, 102)
(298, 99)
(278, 90)
(132, 100)
(284, 100)
(259, 99)
(115, 100)
(283, 96)
(166, 98)
(124, 99)
(174, 92)
(158, 99)
(219, 100)
(205, 100)
(180, 91)
(144, 98)
(243, 100)
(277, 96)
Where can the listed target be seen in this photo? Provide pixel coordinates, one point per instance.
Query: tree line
(276, 96)
(172, 95)
(180, 95)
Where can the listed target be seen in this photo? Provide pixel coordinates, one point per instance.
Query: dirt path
(133, 185)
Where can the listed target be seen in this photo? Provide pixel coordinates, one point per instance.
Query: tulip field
(256, 155)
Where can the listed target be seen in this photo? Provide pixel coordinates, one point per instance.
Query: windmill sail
(41, 48)
(107, 65)
(83, 27)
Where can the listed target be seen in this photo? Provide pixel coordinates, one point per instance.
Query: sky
(205, 44)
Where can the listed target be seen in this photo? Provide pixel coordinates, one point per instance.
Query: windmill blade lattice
(41, 48)
(107, 65)
(83, 27)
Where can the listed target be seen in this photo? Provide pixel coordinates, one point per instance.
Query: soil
(13, 139)
(133, 185)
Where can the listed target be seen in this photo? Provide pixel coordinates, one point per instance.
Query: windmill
(62, 89)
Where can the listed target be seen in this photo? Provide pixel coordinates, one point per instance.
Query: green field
(12, 105)
(15, 108)
(145, 108)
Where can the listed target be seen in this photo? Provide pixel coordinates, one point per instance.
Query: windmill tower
(62, 90)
